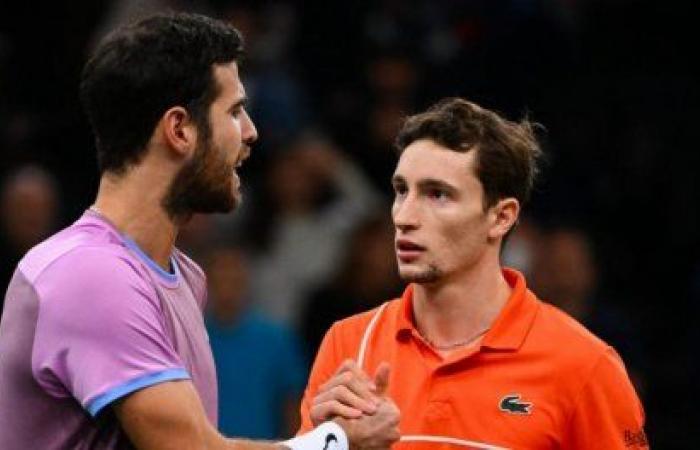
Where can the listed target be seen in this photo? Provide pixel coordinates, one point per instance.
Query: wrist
(326, 436)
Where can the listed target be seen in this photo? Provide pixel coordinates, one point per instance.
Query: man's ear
(179, 131)
(503, 216)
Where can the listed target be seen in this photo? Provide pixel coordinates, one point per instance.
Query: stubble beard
(204, 185)
(430, 274)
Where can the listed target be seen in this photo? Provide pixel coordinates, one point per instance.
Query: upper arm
(166, 416)
(100, 333)
(607, 413)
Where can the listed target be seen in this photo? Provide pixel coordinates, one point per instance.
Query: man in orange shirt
(477, 361)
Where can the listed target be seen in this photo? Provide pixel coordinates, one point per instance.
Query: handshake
(360, 406)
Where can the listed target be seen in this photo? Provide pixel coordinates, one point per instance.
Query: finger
(381, 378)
(328, 410)
(350, 365)
(347, 397)
(347, 365)
(359, 385)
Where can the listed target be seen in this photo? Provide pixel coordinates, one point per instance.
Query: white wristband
(327, 436)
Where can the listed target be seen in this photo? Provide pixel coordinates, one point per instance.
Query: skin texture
(447, 243)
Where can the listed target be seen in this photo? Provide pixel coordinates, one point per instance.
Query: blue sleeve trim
(95, 405)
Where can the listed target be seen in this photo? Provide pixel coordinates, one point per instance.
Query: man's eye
(438, 194)
(400, 190)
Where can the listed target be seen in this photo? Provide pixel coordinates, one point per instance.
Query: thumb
(381, 378)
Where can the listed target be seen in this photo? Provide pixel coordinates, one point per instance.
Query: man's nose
(406, 213)
(249, 132)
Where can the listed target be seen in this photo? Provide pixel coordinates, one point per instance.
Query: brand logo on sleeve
(512, 404)
(330, 437)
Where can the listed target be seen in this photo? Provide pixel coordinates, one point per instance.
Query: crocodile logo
(330, 437)
(511, 404)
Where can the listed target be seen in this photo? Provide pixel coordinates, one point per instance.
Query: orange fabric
(577, 389)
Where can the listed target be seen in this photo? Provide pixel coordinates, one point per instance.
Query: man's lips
(408, 251)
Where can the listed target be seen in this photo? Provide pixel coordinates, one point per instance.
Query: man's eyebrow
(398, 179)
(432, 183)
(241, 103)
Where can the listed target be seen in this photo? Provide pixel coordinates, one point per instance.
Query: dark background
(611, 81)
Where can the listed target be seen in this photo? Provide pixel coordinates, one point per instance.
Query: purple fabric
(89, 319)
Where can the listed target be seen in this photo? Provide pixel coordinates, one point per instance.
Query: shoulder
(349, 332)
(192, 274)
(553, 327)
(574, 352)
(101, 283)
(86, 244)
(554, 324)
(187, 264)
(86, 266)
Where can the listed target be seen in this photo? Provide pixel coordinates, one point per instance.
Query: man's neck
(133, 205)
(458, 310)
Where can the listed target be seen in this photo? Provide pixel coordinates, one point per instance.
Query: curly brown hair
(508, 152)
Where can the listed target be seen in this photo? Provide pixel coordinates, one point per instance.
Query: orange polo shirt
(537, 380)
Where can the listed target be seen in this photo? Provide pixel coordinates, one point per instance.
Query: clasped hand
(360, 405)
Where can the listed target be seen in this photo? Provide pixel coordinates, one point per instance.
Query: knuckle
(346, 377)
(347, 363)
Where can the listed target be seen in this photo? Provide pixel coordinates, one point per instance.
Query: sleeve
(327, 361)
(101, 332)
(607, 413)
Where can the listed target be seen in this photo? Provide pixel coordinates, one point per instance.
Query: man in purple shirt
(102, 344)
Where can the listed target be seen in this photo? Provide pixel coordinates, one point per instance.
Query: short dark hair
(507, 153)
(141, 70)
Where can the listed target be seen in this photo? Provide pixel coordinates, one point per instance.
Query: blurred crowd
(611, 235)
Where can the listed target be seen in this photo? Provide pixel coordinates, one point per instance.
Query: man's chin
(215, 205)
(420, 275)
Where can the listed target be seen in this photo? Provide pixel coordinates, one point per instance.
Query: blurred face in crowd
(567, 274)
(227, 276)
(442, 229)
(209, 182)
(28, 208)
(292, 188)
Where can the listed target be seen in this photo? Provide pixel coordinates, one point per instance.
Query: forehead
(230, 86)
(426, 159)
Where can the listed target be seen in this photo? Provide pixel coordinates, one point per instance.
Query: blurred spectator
(28, 214)
(566, 274)
(198, 236)
(260, 369)
(521, 248)
(314, 197)
(392, 78)
(278, 99)
(366, 278)
(120, 12)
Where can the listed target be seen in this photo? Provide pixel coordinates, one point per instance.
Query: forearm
(244, 444)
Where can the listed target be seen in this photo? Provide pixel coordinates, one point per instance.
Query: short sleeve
(608, 413)
(100, 333)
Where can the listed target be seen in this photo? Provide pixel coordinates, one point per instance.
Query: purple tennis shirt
(89, 319)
